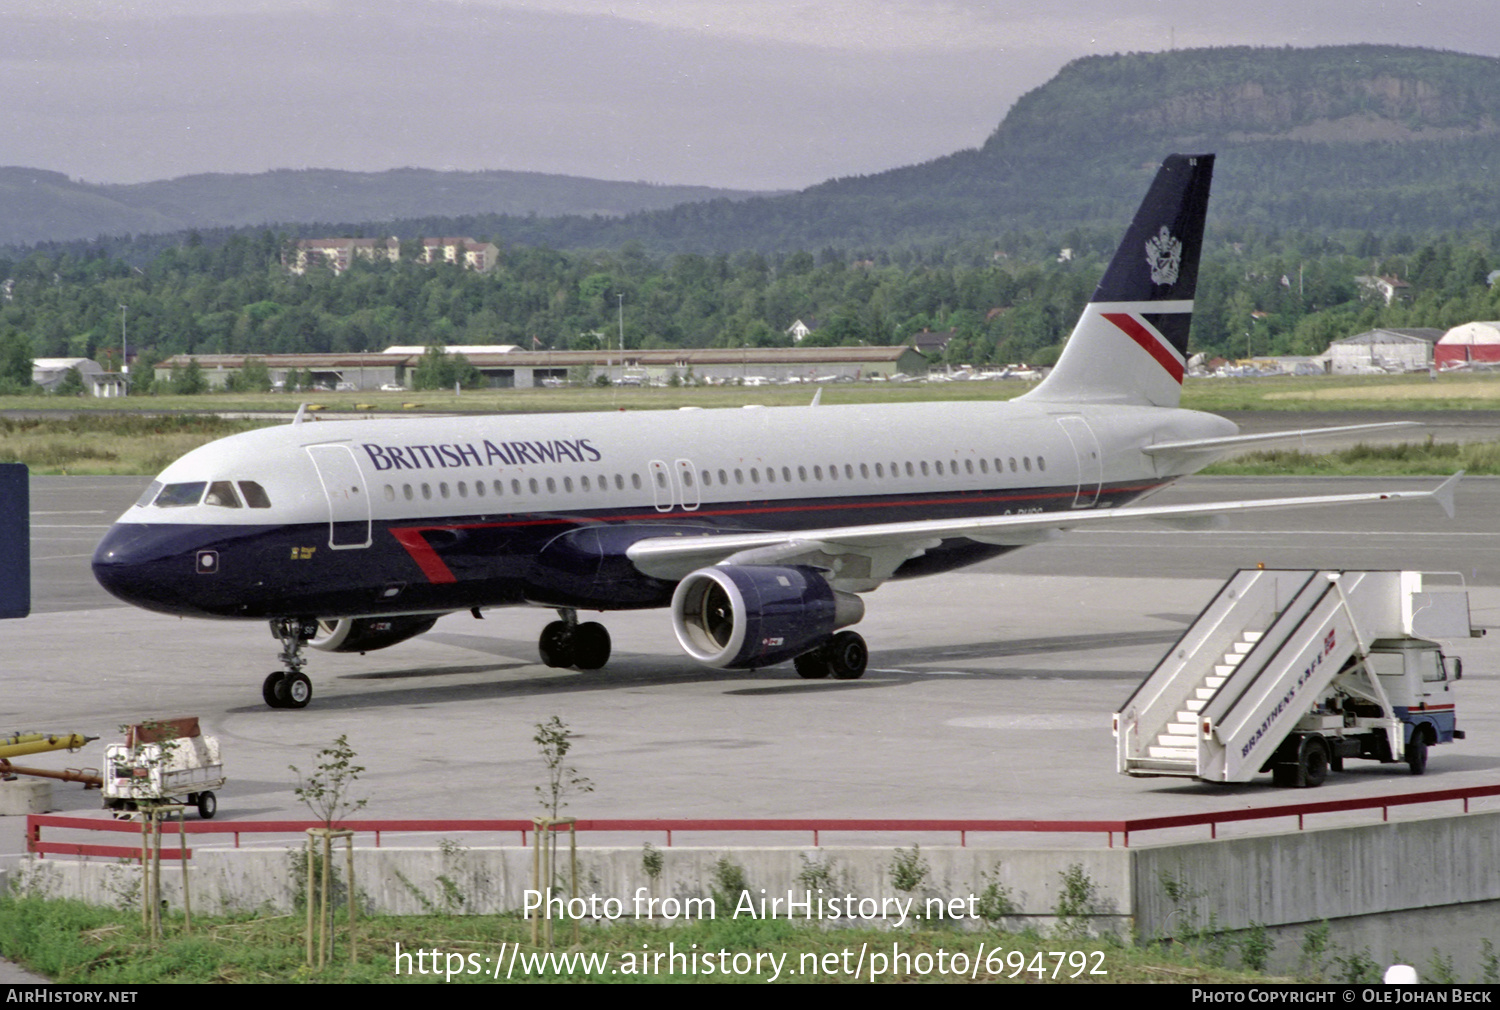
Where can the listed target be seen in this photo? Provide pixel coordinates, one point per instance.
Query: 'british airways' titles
(487, 453)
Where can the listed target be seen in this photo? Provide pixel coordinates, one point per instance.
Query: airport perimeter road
(989, 692)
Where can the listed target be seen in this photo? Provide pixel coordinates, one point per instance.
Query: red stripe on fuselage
(432, 566)
(422, 553)
(1149, 341)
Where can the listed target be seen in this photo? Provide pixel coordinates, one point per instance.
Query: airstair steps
(1178, 743)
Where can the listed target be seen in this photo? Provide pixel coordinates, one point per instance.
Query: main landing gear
(290, 688)
(845, 656)
(568, 643)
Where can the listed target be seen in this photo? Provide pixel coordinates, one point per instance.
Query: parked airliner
(759, 528)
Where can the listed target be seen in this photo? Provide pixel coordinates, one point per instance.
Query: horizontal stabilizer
(1197, 449)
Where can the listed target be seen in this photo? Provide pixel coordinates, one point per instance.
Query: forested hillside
(235, 297)
(1374, 138)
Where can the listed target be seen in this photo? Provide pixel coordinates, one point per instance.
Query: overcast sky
(755, 94)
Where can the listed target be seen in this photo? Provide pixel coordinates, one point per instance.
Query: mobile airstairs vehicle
(1291, 672)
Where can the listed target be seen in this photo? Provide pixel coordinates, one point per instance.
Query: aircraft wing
(1195, 450)
(861, 557)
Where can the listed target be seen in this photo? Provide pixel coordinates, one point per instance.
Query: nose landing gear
(290, 688)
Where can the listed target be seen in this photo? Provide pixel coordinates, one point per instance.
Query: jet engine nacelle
(366, 634)
(741, 617)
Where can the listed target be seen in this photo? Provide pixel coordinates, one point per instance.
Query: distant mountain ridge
(1378, 138)
(1383, 139)
(38, 205)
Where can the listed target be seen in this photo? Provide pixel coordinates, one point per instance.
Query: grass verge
(1407, 459)
(68, 941)
(81, 436)
(109, 443)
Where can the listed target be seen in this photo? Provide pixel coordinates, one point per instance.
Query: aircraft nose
(147, 567)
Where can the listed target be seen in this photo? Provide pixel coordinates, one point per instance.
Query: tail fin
(1130, 344)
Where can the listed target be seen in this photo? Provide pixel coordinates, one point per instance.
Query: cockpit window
(255, 495)
(177, 495)
(149, 495)
(221, 493)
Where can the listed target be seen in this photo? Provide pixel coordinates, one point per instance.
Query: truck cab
(1392, 705)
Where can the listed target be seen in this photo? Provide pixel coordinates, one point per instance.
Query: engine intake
(366, 634)
(742, 617)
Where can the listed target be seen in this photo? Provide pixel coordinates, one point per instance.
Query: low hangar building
(507, 367)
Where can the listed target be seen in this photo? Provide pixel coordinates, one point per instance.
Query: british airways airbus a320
(758, 528)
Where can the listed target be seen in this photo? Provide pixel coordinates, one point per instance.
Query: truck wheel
(208, 805)
(1313, 763)
(1416, 753)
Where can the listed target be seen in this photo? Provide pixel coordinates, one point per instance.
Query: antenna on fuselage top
(817, 397)
(301, 414)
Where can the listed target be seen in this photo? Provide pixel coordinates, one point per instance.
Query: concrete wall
(1328, 874)
(454, 879)
(1406, 888)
